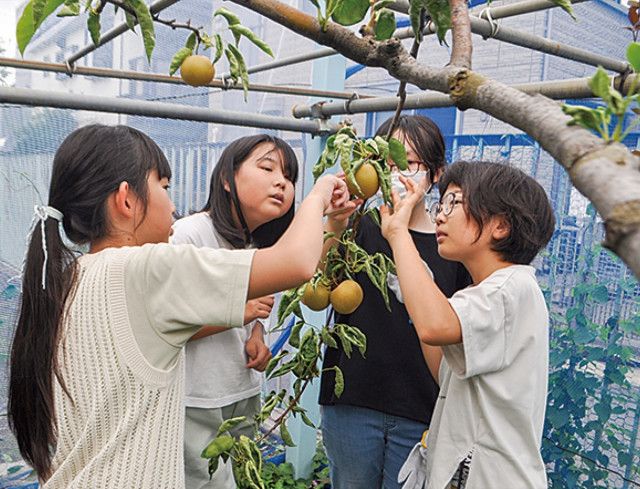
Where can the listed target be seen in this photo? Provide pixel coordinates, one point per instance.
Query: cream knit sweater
(123, 426)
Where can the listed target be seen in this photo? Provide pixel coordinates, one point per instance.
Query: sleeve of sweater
(182, 287)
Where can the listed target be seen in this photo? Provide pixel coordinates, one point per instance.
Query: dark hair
(424, 136)
(89, 165)
(493, 189)
(220, 203)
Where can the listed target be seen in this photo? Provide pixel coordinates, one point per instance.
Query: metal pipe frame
(159, 78)
(558, 90)
(111, 34)
(63, 100)
(485, 28)
(499, 12)
(518, 8)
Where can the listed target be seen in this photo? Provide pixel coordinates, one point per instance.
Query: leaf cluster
(600, 119)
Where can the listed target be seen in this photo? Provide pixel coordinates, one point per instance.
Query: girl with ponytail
(96, 383)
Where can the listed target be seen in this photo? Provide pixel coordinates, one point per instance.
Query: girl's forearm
(294, 258)
(433, 317)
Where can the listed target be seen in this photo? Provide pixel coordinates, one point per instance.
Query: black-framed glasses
(446, 205)
(413, 167)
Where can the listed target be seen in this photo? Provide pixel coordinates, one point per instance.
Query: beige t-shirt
(123, 424)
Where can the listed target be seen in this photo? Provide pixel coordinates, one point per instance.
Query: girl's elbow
(305, 269)
(428, 339)
(427, 335)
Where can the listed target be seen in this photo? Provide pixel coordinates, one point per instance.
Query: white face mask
(399, 187)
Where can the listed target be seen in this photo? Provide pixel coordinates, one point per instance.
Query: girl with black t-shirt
(389, 394)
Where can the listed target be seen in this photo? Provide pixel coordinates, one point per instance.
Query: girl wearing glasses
(487, 424)
(390, 394)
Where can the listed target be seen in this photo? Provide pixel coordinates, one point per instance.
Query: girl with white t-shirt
(96, 387)
(486, 429)
(250, 204)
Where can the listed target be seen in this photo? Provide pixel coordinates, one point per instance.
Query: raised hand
(396, 220)
(333, 191)
(259, 308)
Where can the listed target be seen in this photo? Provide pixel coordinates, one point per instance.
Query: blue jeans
(366, 448)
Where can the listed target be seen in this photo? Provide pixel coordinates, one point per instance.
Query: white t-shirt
(493, 386)
(216, 372)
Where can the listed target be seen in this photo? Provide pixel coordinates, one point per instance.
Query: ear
(438, 174)
(225, 185)
(500, 228)
(124, 201)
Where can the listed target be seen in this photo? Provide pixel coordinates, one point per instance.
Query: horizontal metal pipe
(292, 60)
(63, 100)
(519, 38)
(111, 34)
(499, 12)
(174, 80)
(557, 90)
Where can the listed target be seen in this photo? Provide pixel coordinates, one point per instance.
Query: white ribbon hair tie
(42, 213)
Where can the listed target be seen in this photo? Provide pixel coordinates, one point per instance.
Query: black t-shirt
(393, 377)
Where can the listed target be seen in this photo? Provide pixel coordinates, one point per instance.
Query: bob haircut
(493, 189)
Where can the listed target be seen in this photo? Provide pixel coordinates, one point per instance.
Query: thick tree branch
(462, 46)
(607, 174)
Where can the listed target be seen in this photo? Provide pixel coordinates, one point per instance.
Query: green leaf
(327, 338)
(415, 7)
(349, 12)
(380, 4)
(229, 424)
(241, 69)
(600, 84)
(583, 116)
(385, 24)
(633, 56)
(26, 28)
(131, 21)
(146, 25)
(38, 10)
(71, 8)
(383, 147)
(219, 48)
(398, 154)
(178, 58)
(294, 338)
(191, 41)
(213, 465)
(285, 435)
(440, 13)
(306, 420)
(289, 304)
(231, 18)
(338, 387)
(218, 445)
(600, 294)
(93, 24)
(566, 6)
(248, 33)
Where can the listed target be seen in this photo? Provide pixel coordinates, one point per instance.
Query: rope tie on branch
(495, 25)
(347, 103)
(71, 68)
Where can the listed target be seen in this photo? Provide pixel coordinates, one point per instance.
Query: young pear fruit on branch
(196, 70)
